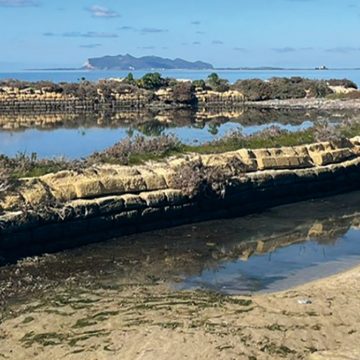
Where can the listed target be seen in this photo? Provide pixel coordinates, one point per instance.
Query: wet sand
(317, 321)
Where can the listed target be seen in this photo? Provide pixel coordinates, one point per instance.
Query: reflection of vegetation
(130, 132)
(184, 117)
(199, 125)
(213, 128)
(151, 128)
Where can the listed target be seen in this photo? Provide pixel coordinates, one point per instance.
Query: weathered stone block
(340, 155)
(249, 159)
(85, 208)
(154, 198)
(35, 193)
(153, 180)
(321, 158)
(152, 213)
(167, 174)
(133, 201)
(134, 184)
(87, 188)
(316, 147)
(61, 185)
(175, 197)
(329, 157)
(126, 170)
(64, 192)
(111, 204)
(127, 216)
(113, 184)
(261, 153)
(11, 201)
(266, 162)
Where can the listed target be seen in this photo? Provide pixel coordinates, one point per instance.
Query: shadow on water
(274, 250)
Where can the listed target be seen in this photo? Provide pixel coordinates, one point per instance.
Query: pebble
(304, 301)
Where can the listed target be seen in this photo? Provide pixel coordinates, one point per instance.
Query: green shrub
(129, 79)
(199, 84)
(184, 92)
(152, 81)
(217, 84)
(282, 88)
(254, 89)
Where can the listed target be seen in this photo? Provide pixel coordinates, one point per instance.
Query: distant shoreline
(194, 70)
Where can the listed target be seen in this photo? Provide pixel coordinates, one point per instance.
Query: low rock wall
(108, 200)
(54, 102)
(65, 106)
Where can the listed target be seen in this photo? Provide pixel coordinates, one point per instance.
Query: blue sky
(47, 33)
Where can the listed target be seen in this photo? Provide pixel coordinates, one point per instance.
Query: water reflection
(273, 250)
(83, 134)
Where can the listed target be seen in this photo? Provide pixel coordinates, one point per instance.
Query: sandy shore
(301, 104)
(317, 321)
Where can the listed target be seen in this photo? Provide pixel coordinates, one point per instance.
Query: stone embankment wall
(67, 105)
(224, 100)
(52, 102)
(112, 199)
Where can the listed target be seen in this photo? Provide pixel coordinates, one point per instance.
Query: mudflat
(317, 321)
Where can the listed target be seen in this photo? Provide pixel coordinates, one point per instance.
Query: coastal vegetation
(153, 87)
(140, 149)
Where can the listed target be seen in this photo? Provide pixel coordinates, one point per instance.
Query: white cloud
(102, 12)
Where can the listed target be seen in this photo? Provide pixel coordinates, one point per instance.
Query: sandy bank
(313, 103)
(150, 322)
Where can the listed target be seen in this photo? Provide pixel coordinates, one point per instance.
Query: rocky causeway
(107, 199)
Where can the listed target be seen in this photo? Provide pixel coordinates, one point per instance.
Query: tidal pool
(78, 143)
(269, 251)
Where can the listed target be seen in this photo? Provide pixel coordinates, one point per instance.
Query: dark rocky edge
(105, 200)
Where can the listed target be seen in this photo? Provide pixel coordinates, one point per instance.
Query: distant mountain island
(128, 62)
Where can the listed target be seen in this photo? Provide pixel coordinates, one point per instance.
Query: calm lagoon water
(231, 75)
(81, 142)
